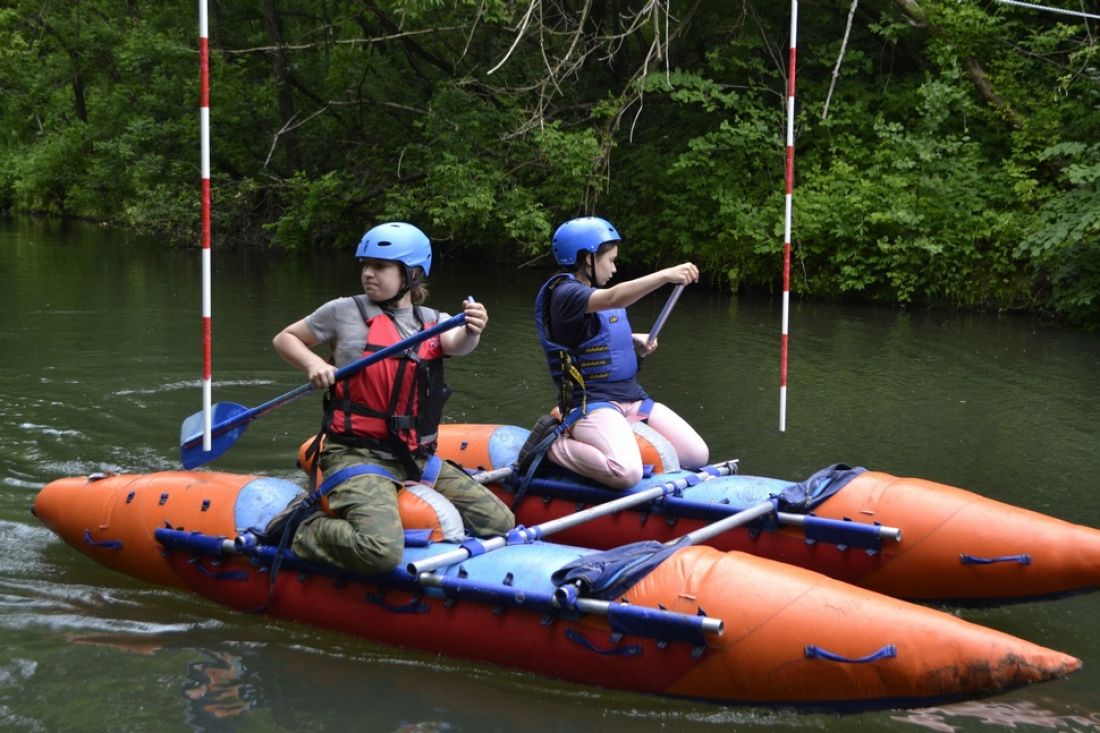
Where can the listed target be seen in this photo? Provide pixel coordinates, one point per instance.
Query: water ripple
(193, 384)
(10, 720)
(75, 622)
(15, 671)
(950, 718)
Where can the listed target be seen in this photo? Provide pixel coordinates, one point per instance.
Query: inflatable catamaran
(696, 622)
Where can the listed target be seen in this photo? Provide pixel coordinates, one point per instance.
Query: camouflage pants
(366, 535)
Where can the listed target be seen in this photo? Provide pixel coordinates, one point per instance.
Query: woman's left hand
(476, 317)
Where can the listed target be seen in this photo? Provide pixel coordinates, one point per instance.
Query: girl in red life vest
(381, 422)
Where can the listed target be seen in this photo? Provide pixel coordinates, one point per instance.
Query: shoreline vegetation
(945, 153)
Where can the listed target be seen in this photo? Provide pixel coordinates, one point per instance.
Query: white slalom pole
(789, 205)
(204, 132)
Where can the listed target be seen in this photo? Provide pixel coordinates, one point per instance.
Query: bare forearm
(295, 344)
(295, 352)
(627, 294)
(461, 341)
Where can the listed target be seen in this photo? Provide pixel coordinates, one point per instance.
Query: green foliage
(316, 210)
(955, 166)
(1064, 243)
(916, 214)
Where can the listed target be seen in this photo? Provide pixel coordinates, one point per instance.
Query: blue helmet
(585, 234)
(399, 241)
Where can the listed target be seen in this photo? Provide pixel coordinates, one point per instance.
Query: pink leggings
(602, 446)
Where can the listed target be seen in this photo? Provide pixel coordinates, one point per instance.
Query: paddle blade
(222, 439)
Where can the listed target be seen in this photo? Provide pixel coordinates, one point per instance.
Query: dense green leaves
(1065, 237)
(950, 161)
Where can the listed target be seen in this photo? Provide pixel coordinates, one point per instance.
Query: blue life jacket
(595, 367)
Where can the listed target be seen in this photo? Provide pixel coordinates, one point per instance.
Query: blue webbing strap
(473, 546)
(108, 544)
(965, 559)
(413, 605)
(350, 472)
(629, 650)
(418, 537)
(813, 651)
(431, 470)
(221, 575)
(577, 413)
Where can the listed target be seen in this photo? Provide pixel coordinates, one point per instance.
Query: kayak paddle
(663, 315)
(231, 419)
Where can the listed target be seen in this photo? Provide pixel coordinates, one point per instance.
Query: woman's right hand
(682, 274)
(321, 375)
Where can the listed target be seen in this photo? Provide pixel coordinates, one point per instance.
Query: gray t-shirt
(340, 324)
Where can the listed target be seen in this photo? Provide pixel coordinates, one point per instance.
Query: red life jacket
(397, 401)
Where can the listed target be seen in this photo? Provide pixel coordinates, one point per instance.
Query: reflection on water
(1019, 716)
(216, 689)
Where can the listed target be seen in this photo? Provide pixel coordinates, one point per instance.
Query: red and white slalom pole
(204, 132)
(789, 200)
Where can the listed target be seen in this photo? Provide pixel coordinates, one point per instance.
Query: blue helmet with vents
(399, 241)
(585, 234)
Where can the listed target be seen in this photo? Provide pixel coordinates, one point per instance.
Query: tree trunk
(279, 65)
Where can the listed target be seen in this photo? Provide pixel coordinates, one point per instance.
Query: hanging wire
(1035, 6)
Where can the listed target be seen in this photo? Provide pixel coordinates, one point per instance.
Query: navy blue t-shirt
(570, 323)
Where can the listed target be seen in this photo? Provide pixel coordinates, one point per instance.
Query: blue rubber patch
(261, 499)
(504, 445)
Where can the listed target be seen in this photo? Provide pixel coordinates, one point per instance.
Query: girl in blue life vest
(593, 358)
(381, 422)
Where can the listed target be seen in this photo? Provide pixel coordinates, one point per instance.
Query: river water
(101, 361)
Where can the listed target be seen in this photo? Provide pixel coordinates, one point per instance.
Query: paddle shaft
(344, 371)
(530, 534)
(663, 315)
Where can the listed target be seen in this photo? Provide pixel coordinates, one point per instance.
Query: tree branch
(840, 58)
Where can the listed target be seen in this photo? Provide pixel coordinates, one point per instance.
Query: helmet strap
(406, 277)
